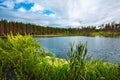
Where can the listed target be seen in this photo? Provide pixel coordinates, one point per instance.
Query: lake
(103, 48)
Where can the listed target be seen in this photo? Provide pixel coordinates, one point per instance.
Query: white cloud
(36, 7)
(19, 1)
(21, 9)
(84, 11)
(50, 15)
(10, 4)
(69, 10)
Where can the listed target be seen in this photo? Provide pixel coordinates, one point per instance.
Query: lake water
(104, 48)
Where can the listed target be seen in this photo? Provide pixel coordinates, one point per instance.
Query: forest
(109, 29)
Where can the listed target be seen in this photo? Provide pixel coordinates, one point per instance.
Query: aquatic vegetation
(22, 58)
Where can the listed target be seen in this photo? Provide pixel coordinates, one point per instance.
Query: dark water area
(103, 48)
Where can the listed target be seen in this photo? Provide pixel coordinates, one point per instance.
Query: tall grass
(81, 67)
(19, 56)
(22, 58)
(77, 62)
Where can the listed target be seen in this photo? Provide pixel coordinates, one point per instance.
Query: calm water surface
(104, 48)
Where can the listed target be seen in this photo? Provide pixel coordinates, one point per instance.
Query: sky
(61, 13)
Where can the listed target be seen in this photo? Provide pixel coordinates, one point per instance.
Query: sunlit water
(104, 48)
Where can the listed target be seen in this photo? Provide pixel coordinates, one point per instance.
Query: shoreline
(94, 34)
(37, 36)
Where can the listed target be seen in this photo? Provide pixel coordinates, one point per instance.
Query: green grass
(95, 33)
(106, 34)
(22, 58)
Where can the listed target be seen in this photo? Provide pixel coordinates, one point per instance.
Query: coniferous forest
(109, 29)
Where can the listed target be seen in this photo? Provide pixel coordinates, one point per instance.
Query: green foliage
(101, 71)
(81, 67)
(22, 58)
(20, 53)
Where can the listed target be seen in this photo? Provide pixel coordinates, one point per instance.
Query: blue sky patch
(27, 6)
(1, 1)
(3, 5)
(48, 12)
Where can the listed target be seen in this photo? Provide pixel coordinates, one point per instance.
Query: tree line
(13, 27)
(110, 27)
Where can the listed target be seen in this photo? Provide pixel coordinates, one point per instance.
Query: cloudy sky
(61, 13)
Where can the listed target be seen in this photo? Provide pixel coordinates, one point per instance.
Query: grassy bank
(100, 33)
(92, 34)
(22, 58)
